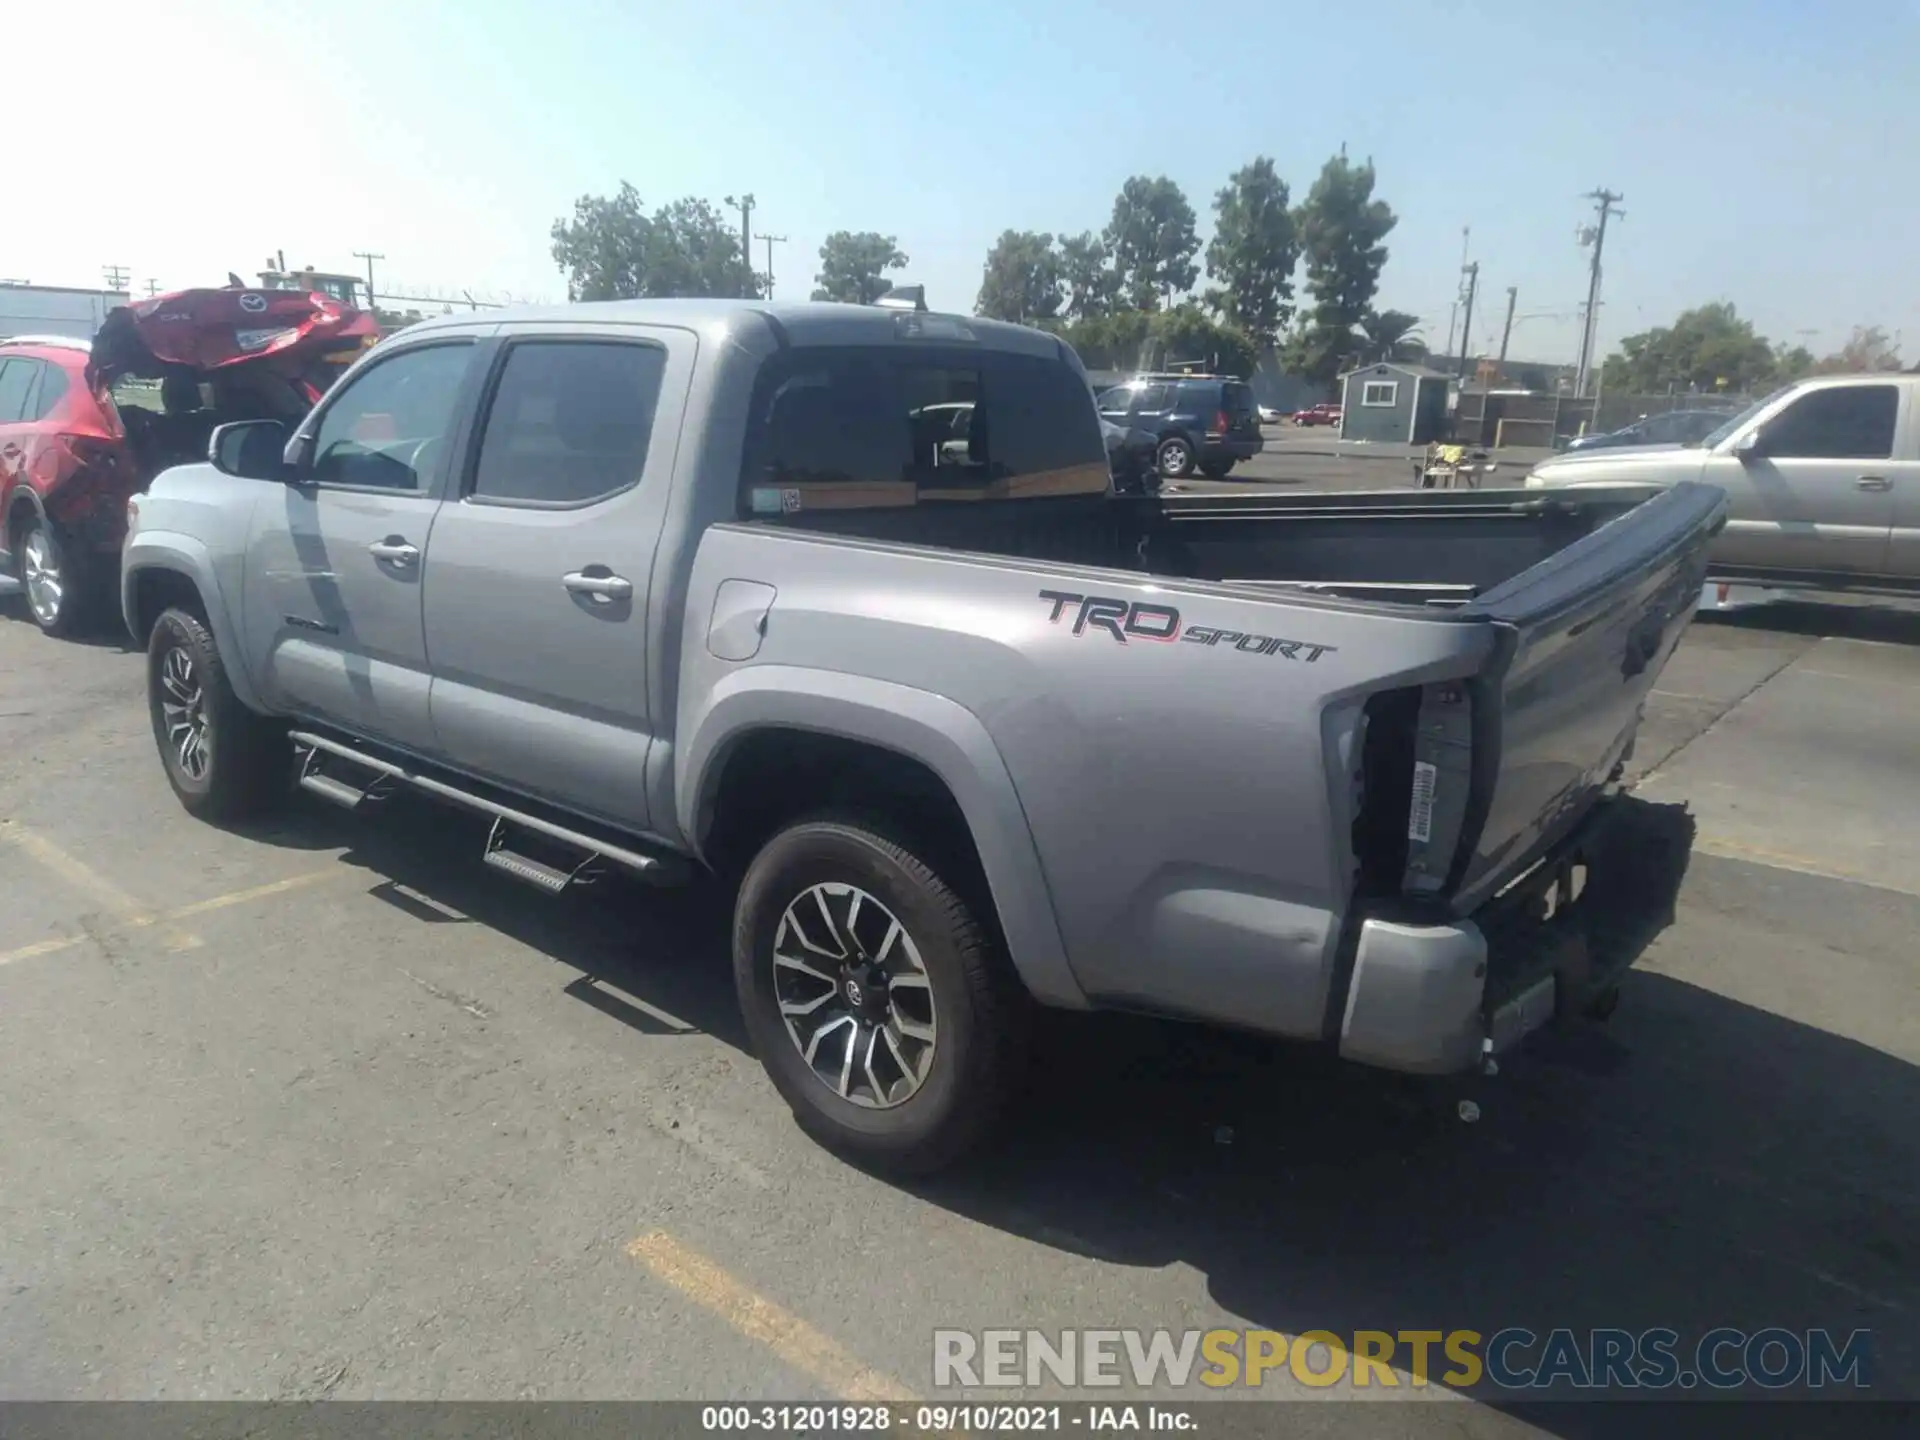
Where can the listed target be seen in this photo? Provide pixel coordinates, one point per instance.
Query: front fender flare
(149, 550)
(940, 733)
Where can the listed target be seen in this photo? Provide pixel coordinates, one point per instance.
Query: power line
(770, 241)
(1596, 234)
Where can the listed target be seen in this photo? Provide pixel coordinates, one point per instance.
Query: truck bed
(1424, 547)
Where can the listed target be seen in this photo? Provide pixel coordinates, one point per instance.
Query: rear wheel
(1175, 458)
(59, 584)
(877, 1001)
(223, 761)
(1216, 469)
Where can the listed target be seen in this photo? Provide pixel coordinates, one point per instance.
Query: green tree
(851, 266)
(1022, 280)
(1707, 348)
(1152, 240)
(1141, 339)
(1342, 234)
(1093, 287)
(1868, 348)
(1253, 253)
(613, 250)
(1792, 364)
(1389, 335)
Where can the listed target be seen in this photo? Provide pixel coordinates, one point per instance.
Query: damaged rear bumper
(1435, 998)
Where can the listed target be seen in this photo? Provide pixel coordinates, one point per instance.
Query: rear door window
(53, 389)
(871, 428)
(17, 375)
(570, 422)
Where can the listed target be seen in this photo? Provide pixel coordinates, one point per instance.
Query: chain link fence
(1517, 421)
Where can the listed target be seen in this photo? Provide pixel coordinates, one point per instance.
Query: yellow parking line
(90, 882)
(199, 907)
(760, 1320)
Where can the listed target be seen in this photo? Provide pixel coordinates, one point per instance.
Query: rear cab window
(883, 427)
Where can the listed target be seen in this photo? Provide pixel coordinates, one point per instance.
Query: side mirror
(249, 449)
(1750, 446)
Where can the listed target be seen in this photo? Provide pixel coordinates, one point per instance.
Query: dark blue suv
(1207, 423)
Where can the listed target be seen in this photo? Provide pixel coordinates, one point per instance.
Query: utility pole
(368, 256)
(1466, 330)
(1603, 202)
(153, 288)
(745, 206)
(1506, 333)
(116, 278)
(770, 241)
(1453, 315)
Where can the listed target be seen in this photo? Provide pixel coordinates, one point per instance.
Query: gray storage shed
(1393, 404)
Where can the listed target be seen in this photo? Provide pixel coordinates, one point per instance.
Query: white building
(54, 310)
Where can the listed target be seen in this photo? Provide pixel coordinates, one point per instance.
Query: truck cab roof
(796, 322)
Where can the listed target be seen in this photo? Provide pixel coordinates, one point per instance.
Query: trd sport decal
(1128, 620)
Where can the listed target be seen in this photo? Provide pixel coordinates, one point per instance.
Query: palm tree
(1392, 335)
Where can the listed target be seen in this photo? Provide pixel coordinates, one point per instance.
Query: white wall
(36, 310)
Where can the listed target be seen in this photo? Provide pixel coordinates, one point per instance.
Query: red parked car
(84, 426)
(1317, 415)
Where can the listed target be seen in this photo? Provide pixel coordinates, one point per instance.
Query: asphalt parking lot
(1315, 458)
(327, 1109)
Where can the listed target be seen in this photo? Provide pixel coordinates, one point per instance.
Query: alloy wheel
(183, 710)
(854, 995)
(45, 584)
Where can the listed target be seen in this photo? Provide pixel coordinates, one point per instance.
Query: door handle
(1873, 482)
(602, 589)
(394, 550)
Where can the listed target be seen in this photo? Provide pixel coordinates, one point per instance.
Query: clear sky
(1769, 150)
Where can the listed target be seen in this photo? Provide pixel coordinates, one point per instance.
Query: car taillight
(1221, 424)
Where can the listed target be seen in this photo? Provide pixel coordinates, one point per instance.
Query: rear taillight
(1221, 423)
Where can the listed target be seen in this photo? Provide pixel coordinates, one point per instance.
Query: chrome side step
(319, 751)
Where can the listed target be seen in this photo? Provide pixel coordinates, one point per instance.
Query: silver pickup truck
(673, 586)
(1822, 481)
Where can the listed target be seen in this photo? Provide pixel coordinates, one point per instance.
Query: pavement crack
(1716, 722)
(452, 997)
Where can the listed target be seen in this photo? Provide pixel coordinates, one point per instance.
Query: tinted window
(1152, 399)
(1237, 398)
(16, 379)
(389, 427)
(862, 428)
(53, 389)
(1842, 422)
(569, 421)
(1116, 401)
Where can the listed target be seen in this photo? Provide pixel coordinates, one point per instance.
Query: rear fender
(932, 729)
(22, 497)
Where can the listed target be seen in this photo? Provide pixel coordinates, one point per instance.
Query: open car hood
(211, 329)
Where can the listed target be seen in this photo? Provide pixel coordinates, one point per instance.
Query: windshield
(1733, 426)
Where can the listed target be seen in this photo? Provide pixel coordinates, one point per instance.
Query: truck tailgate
(1584, 635)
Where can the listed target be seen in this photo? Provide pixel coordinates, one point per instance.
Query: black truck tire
(862, 900)
(223, 761)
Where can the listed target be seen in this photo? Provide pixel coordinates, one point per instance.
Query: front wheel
(876, 999)
(223, 761)
(1175, 458)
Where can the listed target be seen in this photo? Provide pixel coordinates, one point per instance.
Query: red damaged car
(84, 426)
